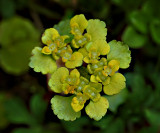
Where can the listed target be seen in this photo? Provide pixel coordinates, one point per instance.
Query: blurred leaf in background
(18, 37)
(3, 118)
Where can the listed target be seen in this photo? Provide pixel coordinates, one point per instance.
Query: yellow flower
(78, 101)
(102, 74)
(93, 50)
(53, 41)
(95, 30)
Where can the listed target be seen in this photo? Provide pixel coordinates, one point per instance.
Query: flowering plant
(90, 66)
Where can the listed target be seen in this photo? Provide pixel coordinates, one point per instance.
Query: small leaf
(155, 30)
(56, 78)
(133, 39)
(153, 117)
(61, 107)
(76, 60)
(64, 28)
(120, 52)
(42, 63)
(97, 110)
(17, 112)
(97, 29)
(140, 21)
(116, 100)
(116, 84)
(38, 107)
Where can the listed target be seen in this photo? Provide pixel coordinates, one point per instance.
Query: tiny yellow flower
(53, 41)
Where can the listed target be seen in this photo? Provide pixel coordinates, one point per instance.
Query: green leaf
(116, 100)
(64, 28)
(18, 37)
(116, 84)
(139, 20)
(61, 107)
(14, 60)
(120, 52)
(38, 107)
(55, 82)
(17, 112)
(153, 117)
(151, 7)
(97, 110)
(155, 30)
(18, 30)
(42, 63)
(97, 29)
(77, 125)
(133, 39)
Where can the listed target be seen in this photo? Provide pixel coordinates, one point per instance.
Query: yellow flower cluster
(87, 47)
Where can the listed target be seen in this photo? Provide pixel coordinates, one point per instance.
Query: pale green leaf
(55, 81)
(119, 51)
(97, 110)
(42, 63)
(116, 84)
(133, 39)
(61, 107)
(97, 29)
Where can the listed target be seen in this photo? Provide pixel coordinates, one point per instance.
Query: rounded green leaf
(101, 46)
(42, 63)
(133, 39)
(97, 110)
(61, 107)
(117, 83)
(96, 29)
(55, 81)
(155, 30)
(140, 21)
(119, 51)
(18, 37)
(76, 60)
(17, 30)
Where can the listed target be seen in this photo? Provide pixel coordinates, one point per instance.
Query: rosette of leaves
(77, 43)
(18, 37)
